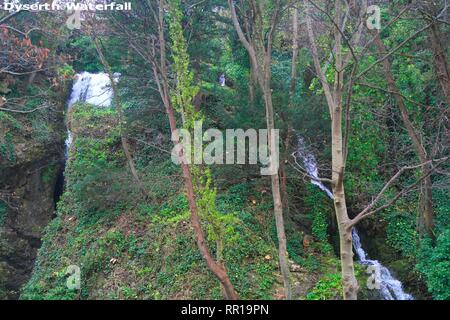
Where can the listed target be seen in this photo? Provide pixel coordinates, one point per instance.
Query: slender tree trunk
(259, 52)
(120, 119)
(350, 284)
(283, 188)
(292, 88)
(161, 77)
(440, 60)
(251, 85)
(295, 40)
(276, 194)
(333, 95)
(217, 268)
(426, 202)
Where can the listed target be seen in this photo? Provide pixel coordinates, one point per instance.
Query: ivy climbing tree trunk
(160, 72)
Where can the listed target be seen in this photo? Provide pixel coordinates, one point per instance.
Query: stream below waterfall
(389, 287)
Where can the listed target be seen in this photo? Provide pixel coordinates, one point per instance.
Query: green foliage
(9, 126)
(161, 258)
(65, 71)
(185, 89)
(327, 288)
(87, 59)
(7, 148)
(134, 248)
(320, 214)
(49, 173)
(434, 263)
(8, 121)
(3, 213)
(401, 233)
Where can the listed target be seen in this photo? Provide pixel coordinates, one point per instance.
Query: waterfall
(93, 88)
(310, 163)
(390, 288)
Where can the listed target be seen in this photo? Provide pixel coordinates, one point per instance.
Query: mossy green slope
(128, 248)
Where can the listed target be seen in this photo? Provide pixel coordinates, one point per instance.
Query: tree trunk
(276, 194)
(259, 52)
(217, 268)
(426, 201)
(163, 86)
(295, 36)
(349, 282)
(283, 188)
(219, 271)
(292, 88)
(333, 95)
(440, 60)
(251, 85)
(119, 113)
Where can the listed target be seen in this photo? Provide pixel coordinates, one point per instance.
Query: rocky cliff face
(31, 162)
(30, 186)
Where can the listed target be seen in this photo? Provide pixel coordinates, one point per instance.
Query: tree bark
(161, 76)
(292, 89)
(350, 284)
(260, 55)
(333, 94)
(119, 113)
(276, 194)
(440, 60)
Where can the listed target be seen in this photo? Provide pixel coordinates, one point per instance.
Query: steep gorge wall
(30, 185)
(31, 162)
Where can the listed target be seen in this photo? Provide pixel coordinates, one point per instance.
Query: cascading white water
(390, 288)
(93, 88)
(310, 165)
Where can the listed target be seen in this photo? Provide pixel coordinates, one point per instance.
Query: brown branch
(368, 210)
(24, 111)
(398, 47)
(300, 169)
(10, 16)
(391, 92)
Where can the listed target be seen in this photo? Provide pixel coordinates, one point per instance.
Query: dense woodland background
(371, 105)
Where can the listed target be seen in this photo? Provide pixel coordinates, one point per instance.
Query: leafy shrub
(328, 288)
(402, 234)
(435, 265)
